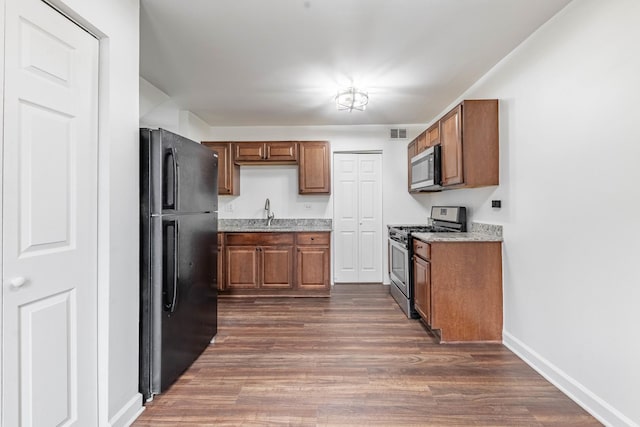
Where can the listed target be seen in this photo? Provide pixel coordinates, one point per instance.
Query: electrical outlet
(229, 207)
(307, 205)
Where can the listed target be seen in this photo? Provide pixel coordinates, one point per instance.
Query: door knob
(17, 282)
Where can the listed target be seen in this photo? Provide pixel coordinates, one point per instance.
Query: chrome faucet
(270, 215)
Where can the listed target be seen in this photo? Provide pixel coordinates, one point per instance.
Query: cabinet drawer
(422, 249)
(312, 238)
(259, 239)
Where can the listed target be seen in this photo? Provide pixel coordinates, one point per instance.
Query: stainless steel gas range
(444, 219)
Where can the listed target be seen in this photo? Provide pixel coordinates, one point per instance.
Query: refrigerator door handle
(170, 296)
(170, 185)
(174, 300)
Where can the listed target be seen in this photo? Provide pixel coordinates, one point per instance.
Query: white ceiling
(279, 62)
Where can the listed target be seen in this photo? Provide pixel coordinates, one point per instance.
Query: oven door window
(399, 264)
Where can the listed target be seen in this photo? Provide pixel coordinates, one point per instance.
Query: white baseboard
(584, 397)
(128, 413)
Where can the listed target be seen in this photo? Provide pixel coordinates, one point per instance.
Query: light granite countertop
(278, 225)
(479, 233)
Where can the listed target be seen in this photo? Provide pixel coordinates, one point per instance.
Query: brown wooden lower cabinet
(458, 289)
(242, 267)
(313, 261)
(422, 288)
(276, 264)
(276, 267)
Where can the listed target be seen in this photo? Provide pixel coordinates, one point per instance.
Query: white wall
(570, 146)
(116, 24)
(192, 126)
(158, 110)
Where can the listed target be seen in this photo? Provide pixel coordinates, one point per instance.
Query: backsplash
(278, 222)
(489, 229)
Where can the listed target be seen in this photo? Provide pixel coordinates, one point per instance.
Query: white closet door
(370, 218)
(357, 218)
(345, 207)
(49, 248)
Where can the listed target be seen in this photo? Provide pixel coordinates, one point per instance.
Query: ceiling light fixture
(351, 99)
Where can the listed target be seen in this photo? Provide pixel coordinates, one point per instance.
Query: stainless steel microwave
(426, 170)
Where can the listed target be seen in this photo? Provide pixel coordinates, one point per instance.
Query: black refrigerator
(178, 255)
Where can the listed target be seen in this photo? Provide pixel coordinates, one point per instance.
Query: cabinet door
(314, 171)
(228, 171)
(451, 141)
(313, 268)
(421, 142)
(433, 135)
(242, 267)
(250, 151)
(422, 288)
(277, 267)
(286, 151)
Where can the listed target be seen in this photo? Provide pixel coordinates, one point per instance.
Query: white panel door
(357, 218)
(49, 248)
(345, 204)
(370, 233)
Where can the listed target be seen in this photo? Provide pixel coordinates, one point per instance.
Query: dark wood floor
(353, 359)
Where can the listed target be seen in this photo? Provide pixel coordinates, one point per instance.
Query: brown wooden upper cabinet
(421, 142)
(469, 137)
(426, 139)
(275, 152)
(470, 144)
(451, 142)
(314, 170)
(433, 135)
(228, 171)
(313, 158)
